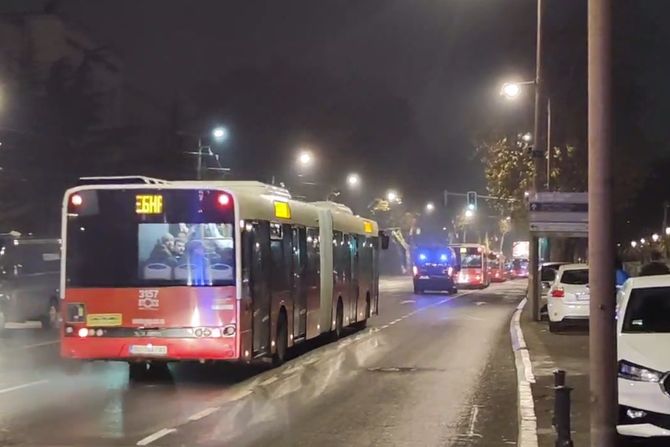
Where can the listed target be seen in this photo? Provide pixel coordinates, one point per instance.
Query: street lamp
(633, 244)
(469, 214)
(527, 137)
(305, 158)
(643, 241)
(220, 134)
(392, 196)
(667, 231)
(655, 237)
(353, 180)
(430, 207)
(510, 90)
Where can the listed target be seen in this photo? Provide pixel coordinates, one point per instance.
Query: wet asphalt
(430, 370)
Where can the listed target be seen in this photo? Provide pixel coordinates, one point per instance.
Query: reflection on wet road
(419, 375)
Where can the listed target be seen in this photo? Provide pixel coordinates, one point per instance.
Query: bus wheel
(363, 323)
(282, 339)
(339, 319)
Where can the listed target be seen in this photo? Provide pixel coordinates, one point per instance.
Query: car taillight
(558, 293)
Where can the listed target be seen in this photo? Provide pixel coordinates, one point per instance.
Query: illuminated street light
(469, 213)
(633, 244)
(643, 241)
(353, 180)
(305, 158)
(510, 90)
(655, 237)
(220, 134)
(667, 231)
(392, 196)
(527, 137)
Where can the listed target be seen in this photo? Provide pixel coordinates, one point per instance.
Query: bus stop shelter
(556, 215)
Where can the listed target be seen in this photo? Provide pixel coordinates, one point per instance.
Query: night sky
(437, 64)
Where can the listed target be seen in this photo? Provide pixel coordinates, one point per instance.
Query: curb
(527, 421)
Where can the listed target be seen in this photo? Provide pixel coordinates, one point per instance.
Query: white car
(568, 299)
(643, 342)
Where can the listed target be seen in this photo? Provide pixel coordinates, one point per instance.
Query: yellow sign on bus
(367, 226)
(148, 204)
(104, 320)
(282, 210)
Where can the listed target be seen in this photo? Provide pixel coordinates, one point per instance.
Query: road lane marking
(37, 345)
(22, 386)
(527, 420)
(408, 302)
(473, 421)
(269, 381)
(204, 413)
(159, 434)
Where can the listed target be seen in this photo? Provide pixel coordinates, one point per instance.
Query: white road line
(159, 434)
(408, 301)
(37, 345)
(241, 395)
(527, 420)
(23, 385)
(204, 413)
(269, 381)
(473, 421)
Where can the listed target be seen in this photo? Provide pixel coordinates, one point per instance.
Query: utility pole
(538, 155)
(602, 334)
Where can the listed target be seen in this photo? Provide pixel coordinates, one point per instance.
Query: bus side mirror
(385, 240)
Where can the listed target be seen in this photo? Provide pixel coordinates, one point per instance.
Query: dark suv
(29, 280)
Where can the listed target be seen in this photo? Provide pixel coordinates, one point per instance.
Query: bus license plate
(148, 350)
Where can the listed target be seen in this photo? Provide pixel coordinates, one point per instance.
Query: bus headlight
(83, 332)
(229, 331)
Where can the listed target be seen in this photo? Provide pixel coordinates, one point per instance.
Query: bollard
(559, 378)
(561, 418)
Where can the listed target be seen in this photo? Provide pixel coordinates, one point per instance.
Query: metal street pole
(199, 169)
(549, 151)
(602, 334)
(537, 155)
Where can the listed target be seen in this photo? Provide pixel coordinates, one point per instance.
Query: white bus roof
(256, 200)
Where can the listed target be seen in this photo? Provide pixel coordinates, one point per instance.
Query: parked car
(568, 299)
(29, 281)
(643, 337)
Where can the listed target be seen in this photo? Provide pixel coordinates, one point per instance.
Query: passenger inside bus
(186, 253)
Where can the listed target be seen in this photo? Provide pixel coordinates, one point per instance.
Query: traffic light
(472, 200)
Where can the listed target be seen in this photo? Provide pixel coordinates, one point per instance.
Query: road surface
(431, 370)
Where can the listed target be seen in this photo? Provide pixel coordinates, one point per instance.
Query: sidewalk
(568, 351)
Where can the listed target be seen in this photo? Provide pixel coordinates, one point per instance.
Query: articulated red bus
(158, 271)
(473, 266)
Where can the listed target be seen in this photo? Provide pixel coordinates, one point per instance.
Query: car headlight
(638, 373)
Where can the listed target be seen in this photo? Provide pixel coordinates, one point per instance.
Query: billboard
(521, 249)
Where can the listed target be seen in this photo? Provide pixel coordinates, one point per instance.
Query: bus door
(260, 287)
(299, 283)
(357, 306)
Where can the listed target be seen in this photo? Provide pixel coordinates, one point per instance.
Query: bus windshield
(186, 239)
(470, 257)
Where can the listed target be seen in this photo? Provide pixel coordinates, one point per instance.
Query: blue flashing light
(422, 257)
(444, 257)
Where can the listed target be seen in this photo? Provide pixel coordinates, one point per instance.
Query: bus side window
(279, 269)
(313, 257)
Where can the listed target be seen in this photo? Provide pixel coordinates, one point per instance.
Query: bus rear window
(186, 241)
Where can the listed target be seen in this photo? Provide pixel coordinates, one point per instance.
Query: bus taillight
(223, 199)
(76, 200)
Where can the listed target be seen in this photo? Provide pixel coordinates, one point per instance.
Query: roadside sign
(559, 214)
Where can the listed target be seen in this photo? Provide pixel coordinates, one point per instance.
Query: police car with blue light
(433, 269)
